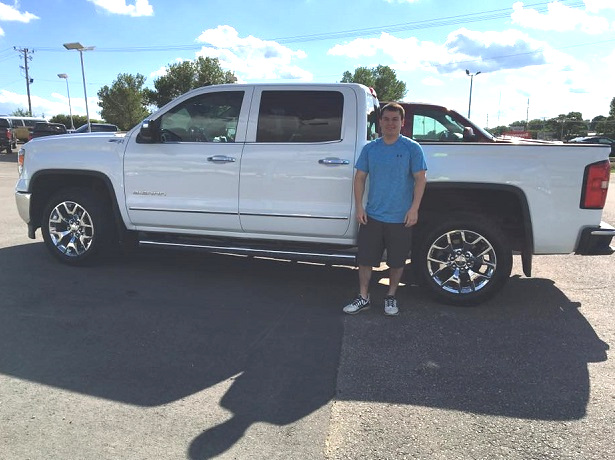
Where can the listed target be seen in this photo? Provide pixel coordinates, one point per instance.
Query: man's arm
(412, 216)
(360, 178)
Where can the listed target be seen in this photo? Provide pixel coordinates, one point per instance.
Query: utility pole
(26, 58)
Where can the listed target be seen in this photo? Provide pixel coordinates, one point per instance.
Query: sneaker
(357, 305)
(390, 306)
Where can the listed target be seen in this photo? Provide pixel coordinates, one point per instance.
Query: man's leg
(365, 275)
(395, 275)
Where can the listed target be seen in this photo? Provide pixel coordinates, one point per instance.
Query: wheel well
(504, 205)
(46, 185)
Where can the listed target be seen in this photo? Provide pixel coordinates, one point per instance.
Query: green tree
(595, 122)
(124, 103)
(565, 127)
(20, 113)
(78, 120)
(382, 78)
(612, 110)
(184, 76)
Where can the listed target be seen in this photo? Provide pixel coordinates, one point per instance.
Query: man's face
(391, 123)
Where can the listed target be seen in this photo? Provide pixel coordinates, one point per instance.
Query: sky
(536, 59)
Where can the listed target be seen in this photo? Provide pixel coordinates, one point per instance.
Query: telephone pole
(26, 58)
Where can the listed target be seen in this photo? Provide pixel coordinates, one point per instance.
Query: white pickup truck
(267, 169)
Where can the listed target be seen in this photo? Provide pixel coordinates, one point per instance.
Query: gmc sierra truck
(267, 169)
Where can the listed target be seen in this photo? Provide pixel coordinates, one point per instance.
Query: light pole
(70, 109)
(79, 47)
(471, 75)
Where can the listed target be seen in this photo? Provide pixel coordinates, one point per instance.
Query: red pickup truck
(434, 123)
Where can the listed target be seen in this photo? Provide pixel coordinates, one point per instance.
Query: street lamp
(79, 47)
(65, 76)
(471, 75)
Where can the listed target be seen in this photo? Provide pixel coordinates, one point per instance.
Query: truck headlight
(21, 156)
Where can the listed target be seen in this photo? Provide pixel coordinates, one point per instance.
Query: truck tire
(76, 225)
(462, 260)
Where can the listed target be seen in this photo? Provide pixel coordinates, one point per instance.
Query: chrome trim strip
(300, 216)
(247, 214)
(183, 211)
(603, 232)
(242, 250)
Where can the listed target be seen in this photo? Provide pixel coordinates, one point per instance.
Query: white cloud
(489, 51)
(162, 71)
(10, 102)
(432, 81)
(11, 13)
(140, 8)
(562, 18)
(250, 57)
(593, 6)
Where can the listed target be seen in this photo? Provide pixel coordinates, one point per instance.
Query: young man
(396, 168)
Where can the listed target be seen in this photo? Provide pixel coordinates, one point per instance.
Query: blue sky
(558, 55)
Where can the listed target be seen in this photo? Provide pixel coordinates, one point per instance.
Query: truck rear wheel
(463, 260)
(76, 225)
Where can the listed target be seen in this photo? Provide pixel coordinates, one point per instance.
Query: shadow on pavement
(155, 327)
(8, 157)
(523, 354)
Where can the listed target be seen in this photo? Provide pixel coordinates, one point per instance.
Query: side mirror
(468, 134)
(147, 133)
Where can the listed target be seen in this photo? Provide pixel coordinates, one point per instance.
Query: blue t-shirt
(391, 181)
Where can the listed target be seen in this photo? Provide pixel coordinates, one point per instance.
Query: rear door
(297, 168)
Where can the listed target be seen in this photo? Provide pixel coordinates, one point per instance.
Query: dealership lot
(176, 355)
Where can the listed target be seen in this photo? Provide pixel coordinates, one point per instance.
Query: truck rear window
(300, 116)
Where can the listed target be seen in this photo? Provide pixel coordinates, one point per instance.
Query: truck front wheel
(76, 225)
(463, 260)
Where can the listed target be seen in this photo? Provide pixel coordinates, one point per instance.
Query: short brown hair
(393, 107)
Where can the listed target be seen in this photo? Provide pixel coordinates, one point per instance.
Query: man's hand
(412, 217)
(361, 215)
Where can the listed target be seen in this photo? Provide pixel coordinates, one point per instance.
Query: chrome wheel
(71, 229)
(461, 261)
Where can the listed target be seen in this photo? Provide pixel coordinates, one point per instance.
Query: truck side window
(209, 117)
(436, 126)
(300, 116)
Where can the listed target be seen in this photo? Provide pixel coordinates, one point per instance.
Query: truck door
(297, 168)
(187, 177)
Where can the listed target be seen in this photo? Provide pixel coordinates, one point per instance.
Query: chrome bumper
(23, 205)
(596, 240)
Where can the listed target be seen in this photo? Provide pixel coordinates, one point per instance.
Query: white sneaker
(390, 306)
(357, 305)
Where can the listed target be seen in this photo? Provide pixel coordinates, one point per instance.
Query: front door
(188, 179)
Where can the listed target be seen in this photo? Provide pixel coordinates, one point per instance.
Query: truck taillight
(595, 185)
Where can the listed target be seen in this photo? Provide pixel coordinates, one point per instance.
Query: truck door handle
(221, 159)
(333, 161)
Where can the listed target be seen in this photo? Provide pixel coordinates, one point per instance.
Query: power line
(352, 33)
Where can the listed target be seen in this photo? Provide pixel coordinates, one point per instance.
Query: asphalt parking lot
(172, 355)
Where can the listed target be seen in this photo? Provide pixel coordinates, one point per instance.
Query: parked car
(23, 126)
(596, 140)
(97, 128)
(47, 129)
(8, 141)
